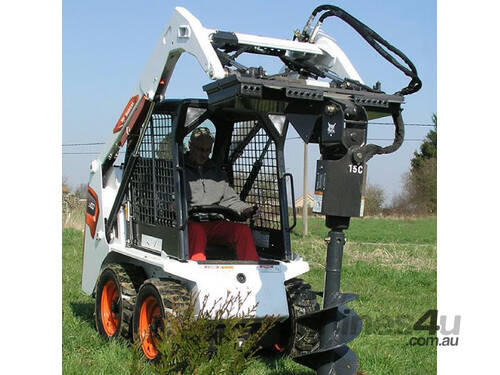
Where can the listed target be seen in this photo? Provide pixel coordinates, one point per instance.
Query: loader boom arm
(185, 33)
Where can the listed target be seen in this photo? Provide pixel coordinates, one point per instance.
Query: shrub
(374, 200)
(212, 341)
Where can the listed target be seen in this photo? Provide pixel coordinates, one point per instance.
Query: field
(390, 263)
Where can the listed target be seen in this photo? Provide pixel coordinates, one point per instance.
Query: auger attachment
(336, 323)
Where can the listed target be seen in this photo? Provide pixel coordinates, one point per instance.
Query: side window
(152, 186)
(255, 172)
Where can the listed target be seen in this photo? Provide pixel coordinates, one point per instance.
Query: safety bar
(293, 202)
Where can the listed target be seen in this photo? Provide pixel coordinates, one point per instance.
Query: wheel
(156, 299)
(295, 338)
(115, 298)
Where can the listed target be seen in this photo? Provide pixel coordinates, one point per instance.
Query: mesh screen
(152, 183)
(264, 192)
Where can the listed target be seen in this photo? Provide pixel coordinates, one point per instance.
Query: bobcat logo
(331, 129)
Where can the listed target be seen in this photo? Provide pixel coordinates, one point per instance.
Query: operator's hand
(251, 212)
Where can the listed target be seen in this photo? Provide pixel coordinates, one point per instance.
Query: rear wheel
(115, 298)
(156, 299)
(295, 338)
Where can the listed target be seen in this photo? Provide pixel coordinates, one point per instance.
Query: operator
(208, 185)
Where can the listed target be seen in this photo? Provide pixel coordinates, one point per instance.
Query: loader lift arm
(185, 33)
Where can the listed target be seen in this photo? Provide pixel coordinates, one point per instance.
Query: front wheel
(115, 297)
(156, 299)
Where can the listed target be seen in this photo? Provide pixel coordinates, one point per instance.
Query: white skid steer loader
(136, 253)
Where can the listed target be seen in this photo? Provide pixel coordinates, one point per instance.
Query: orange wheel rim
(150, 311)
(279, 348)
(109, 297)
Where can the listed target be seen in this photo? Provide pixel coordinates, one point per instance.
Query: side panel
(95, 247)
(259, 288)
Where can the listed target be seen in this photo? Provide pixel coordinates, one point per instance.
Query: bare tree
(81, 191)
(374, 200)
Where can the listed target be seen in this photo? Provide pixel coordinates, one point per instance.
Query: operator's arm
(232, 200)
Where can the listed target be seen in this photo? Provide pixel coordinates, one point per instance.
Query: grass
(390, 263)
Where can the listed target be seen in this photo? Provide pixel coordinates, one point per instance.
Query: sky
(106, 44)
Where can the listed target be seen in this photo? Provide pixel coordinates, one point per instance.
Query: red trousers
(220, 233)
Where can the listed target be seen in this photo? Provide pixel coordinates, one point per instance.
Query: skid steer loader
(136, 251)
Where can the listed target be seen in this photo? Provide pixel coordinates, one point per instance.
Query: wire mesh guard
(152, 183)
(259, 155)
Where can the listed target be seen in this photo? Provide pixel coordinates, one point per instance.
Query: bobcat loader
(136, 251)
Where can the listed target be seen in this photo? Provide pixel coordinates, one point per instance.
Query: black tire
(163, 295)
(295, 338)
(116, 292)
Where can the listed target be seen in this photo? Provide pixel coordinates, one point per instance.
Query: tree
(428, 149)
(422, 187)
(374, 200)
(421, 182)
(65, 188)
(81, 191)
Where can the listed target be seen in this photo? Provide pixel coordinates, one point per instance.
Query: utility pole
(304, 195)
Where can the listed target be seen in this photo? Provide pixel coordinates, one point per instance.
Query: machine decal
(214, 267)
(137, 117)
(126, 112)
(318, 201)
(356, 169)
(319, 188)
(268, 268)
(331, 129)
(92, 211)
(151, 242)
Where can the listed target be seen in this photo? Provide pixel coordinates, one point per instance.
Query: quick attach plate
(230, 90)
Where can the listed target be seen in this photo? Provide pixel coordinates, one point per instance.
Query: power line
(390, 123)
(288, 139)
(375, 139)
(86, 153)
(83, 144)
(370, 123)
(291, 138)
(80, 153)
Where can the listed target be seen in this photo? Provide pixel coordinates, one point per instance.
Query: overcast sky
(107, 43)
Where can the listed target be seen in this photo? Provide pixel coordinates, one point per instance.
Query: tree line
(419, 193)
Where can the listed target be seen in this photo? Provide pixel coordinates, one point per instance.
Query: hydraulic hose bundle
(375, 40)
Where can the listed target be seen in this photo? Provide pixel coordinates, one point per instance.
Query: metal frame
(261, 144)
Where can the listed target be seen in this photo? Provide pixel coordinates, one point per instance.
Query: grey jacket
(207, 185)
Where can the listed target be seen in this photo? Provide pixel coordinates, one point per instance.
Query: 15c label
(355, 169)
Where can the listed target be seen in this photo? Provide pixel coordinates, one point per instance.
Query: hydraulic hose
(374, 39)
(364, 153)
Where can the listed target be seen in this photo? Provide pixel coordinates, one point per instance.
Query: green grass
(390, 263)
(374, 229)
